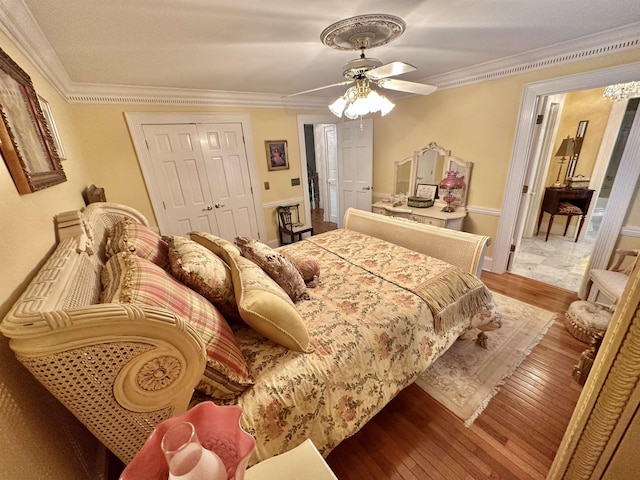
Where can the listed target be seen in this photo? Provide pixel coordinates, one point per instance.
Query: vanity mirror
(463, 170)
(427, 167)
(403, 172)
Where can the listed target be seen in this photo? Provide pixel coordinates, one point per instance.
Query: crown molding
(22, 29)
(19, 25)
(111, 94)
(591, 46)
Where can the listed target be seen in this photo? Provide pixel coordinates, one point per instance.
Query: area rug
(466, 377)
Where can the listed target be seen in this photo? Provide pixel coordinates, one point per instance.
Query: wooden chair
(289, 223)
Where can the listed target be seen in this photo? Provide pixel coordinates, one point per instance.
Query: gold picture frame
(26, 142)
(277, 154)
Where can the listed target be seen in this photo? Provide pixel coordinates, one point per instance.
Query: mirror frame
(460, 166)
(412, 174)
(25, 133)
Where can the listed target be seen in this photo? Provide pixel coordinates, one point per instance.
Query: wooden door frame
(135, 121)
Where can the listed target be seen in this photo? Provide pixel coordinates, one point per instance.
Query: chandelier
(360, 100)
(622, 91)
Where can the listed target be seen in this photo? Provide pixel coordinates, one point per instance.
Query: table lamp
(565, 150)
(450, 185)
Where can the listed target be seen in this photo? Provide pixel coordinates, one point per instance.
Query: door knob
(208, 207)
(366, 188)
(218, 205)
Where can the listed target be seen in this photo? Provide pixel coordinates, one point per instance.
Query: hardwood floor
(517, 435)
(319, 225)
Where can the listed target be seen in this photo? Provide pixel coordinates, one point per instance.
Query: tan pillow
(203, 271)
(278, 267)
(130, 236)
(128, 278)
(262, 303)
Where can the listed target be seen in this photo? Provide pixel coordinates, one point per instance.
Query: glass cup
(187, 458)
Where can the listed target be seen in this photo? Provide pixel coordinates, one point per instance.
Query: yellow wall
(38, 437)
(477, 122)
(584, 105)
(107, 148)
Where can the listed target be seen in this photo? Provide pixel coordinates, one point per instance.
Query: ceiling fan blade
(390, 70)
(403, 86)
(346, 82)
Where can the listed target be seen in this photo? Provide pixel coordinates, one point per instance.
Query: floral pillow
(128, 278)
(131, 236)
(278, 267)
(262, 303)
(203, 271)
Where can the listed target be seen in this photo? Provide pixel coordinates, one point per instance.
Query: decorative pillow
(278, 267)
(128, 278)
(308, 267)
(131, 236)
(203, 271)
(262, 303)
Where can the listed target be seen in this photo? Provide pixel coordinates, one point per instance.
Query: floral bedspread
(371, 338)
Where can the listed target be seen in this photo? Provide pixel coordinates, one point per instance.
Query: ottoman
(585, 320)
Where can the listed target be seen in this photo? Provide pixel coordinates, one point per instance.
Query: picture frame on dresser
(427, 190)
(26, 143)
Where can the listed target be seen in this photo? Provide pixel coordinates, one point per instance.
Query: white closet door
(202, 174)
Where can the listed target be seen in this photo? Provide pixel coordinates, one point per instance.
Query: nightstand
(304, 461)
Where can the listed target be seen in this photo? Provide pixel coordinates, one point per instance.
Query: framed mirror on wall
(577, 146)
(26, 142)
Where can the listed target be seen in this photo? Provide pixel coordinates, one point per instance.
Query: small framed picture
(427, 190)
(277, 154)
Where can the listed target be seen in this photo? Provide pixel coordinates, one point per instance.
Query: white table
(302, 462)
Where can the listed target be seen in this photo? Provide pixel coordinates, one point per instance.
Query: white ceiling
(273, 47)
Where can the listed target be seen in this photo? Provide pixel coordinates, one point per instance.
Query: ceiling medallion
(362, 32)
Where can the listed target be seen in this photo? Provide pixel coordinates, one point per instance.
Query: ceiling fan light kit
(360, 33)
(360, 100)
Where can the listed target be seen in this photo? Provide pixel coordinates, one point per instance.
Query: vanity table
(423, 172)
(431, 216)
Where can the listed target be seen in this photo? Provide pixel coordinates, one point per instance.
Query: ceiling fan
(361, 33)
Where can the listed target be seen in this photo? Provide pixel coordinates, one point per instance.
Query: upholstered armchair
(612, 281)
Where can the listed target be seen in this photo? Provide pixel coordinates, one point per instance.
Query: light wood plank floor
(516, 437)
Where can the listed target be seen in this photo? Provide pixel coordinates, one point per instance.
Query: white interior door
(179, 172)
(202, 176)
(227, 172)
(355, 165)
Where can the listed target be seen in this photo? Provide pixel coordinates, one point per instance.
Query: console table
(431, 215)
(568, 202)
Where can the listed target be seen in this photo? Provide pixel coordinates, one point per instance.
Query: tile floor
(560, 261)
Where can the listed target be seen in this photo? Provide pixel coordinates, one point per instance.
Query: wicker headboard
(462, 249)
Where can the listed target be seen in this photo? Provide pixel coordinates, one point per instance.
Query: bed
(372, 324)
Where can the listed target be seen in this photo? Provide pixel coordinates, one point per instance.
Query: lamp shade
(452, 181)
(566, 147)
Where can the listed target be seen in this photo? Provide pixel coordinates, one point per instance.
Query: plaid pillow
(131, 236)
(128, 278)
